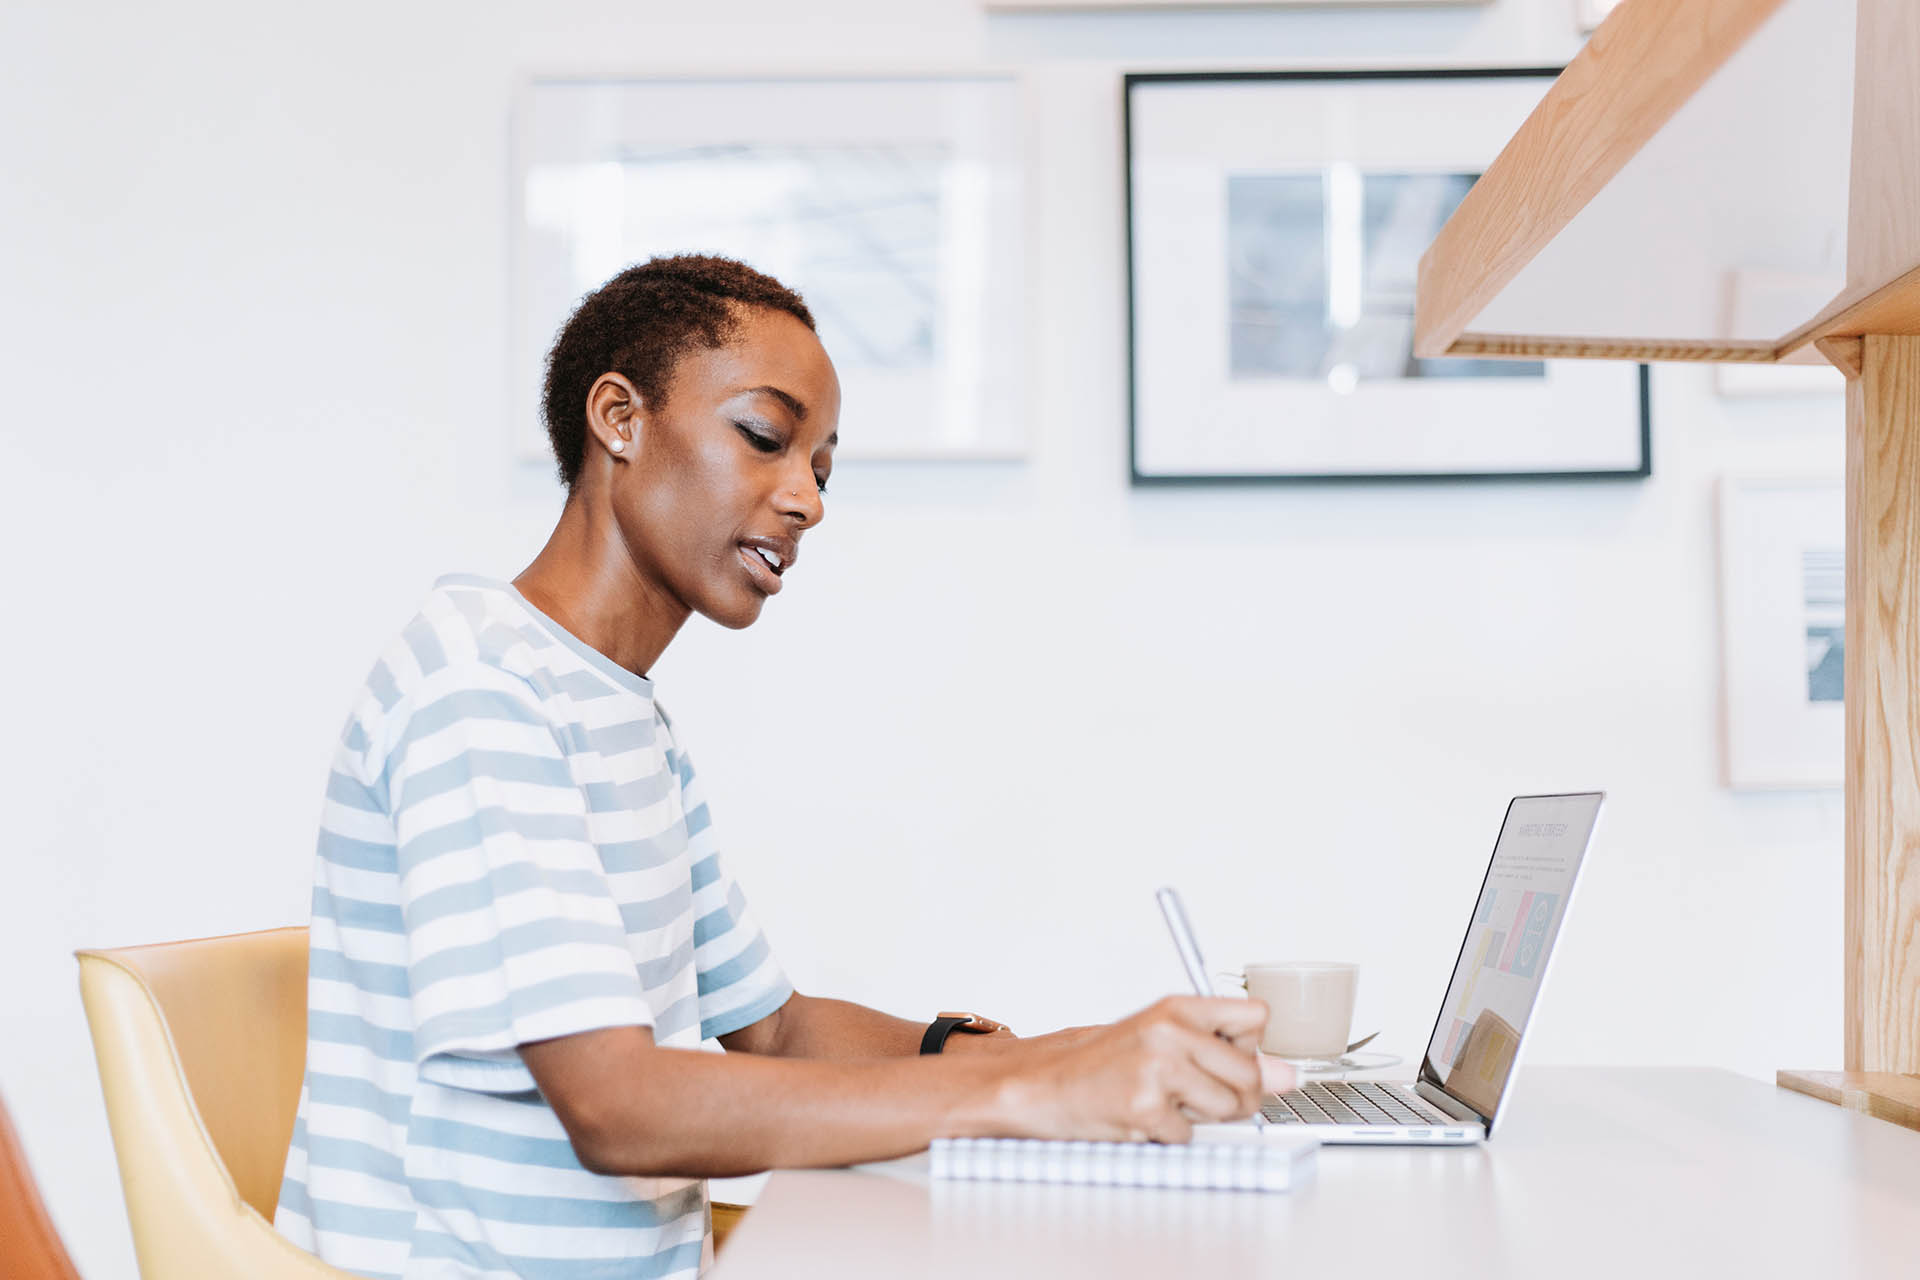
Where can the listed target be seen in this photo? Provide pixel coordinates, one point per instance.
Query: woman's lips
(760, 571)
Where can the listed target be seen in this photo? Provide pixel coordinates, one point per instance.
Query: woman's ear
(614, 416)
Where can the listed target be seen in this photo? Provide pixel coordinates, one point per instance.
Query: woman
(521, 928)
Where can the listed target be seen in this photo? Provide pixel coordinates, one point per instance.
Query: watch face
(974, 1023)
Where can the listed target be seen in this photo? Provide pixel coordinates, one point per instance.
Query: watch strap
(940, 1028)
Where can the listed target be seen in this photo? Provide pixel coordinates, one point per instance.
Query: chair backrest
(201, 1046)
(30, 1248)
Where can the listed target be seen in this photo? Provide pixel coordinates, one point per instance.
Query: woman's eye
(765, 444)
(820, 483)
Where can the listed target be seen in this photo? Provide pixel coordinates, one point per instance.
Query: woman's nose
(802, 499)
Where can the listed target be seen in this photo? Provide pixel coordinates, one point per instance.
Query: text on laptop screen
(1504, 957)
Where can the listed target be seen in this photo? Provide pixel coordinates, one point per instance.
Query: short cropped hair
(639, 324)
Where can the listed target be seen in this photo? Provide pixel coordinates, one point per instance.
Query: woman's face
(715, 487)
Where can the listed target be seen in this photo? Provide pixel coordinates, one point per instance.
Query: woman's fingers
(1184, 1059)
(1172, 1128)
(1236, 1070)
(1248, 1041)
(1205, 1094)
(1277, 1074)
(1217, 1015)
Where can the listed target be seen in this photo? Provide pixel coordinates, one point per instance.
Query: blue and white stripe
(511, 848)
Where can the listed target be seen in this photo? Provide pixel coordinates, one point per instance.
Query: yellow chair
(202, 1045)
(30, 1247)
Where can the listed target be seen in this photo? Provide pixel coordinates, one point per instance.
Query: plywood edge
(1881, 1094)
(1892, 308)
(1833, 337)
(1643, 63)
(1504, 346)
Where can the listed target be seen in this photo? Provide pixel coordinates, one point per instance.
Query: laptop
(1466, 1074)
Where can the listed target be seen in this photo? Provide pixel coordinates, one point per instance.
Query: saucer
(1364, 1060)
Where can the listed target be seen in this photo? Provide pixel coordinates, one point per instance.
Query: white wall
(252, 341)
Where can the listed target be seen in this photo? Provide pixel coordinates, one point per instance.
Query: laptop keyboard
(1344, 1102)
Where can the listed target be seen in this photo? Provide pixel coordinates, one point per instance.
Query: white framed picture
(1589, 14)
(1276, 222)
(1783, 630)
(895, 205)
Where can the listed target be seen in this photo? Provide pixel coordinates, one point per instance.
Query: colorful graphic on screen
(1515, 922)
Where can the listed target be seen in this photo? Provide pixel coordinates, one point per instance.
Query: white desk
(1623, 1173)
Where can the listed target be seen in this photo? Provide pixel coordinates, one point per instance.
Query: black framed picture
(1275, 225)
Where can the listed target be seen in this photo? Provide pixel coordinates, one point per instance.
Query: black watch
(946, 1024)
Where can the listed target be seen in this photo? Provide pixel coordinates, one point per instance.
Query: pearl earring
(617, 445)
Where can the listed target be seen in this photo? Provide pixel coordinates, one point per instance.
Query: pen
(1188, 946)
(1183, 940)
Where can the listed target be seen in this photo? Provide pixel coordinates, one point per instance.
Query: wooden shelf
(1643, 66)
(1882, 1094)
(1739, 181)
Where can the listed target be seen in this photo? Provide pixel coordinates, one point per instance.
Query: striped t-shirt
(512, 848)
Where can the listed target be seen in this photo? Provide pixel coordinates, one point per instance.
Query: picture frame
(1589, 14)
(1783, 616)
(1275, 222)
(895, 205)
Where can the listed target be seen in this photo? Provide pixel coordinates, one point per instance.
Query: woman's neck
(586, 580)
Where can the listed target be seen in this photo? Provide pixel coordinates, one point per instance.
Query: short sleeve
(512, 933)
(739, 980)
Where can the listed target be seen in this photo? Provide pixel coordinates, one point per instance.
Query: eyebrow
(793, 403)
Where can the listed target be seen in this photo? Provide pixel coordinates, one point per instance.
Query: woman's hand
(1147, 1077)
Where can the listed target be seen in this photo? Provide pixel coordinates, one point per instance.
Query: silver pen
(1189, 948)
(1183, 940)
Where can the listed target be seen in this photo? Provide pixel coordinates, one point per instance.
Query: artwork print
(1824, 599)
(893, 206)
(1276, 225)
(1323, 268)
(860, 225)
(1783, 623)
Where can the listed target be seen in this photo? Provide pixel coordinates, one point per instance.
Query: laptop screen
(1504, 958)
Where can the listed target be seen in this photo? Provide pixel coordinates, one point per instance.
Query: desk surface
(1596, 1172)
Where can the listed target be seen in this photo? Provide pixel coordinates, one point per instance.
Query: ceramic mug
(1309, 1005)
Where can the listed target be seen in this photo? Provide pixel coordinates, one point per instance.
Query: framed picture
(1589, 14)
(1783, 629)
(894, 205)
(1275, 225)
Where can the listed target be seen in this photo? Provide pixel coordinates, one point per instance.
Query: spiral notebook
(1261, 1165)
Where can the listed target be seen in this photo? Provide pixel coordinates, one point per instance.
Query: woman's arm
(815, 1027)
(631, 1107)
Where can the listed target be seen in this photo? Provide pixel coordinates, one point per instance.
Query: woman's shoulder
(466, 635)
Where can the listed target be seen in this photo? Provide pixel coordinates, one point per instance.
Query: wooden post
(1883, 709)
